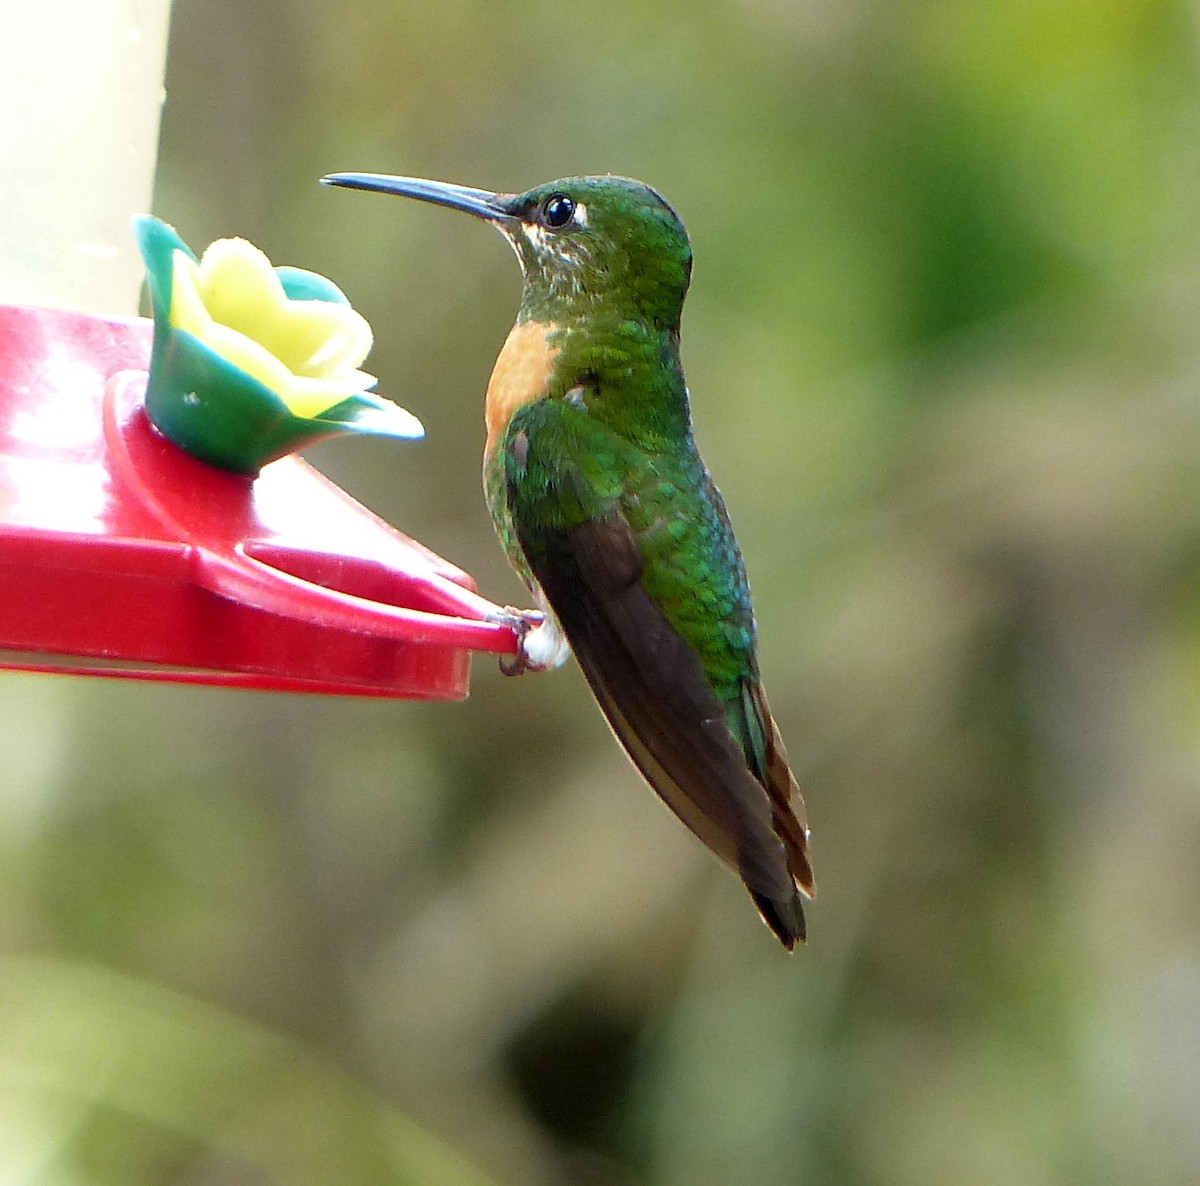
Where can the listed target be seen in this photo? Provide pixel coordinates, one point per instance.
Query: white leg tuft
(545, 646)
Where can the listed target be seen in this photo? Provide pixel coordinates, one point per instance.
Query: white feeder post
(81, 94)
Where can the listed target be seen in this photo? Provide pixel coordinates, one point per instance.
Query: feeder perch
(122, 555)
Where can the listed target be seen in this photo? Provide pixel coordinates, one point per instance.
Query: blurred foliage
(942, 349)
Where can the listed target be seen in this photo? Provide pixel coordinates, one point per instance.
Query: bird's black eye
(558, 210)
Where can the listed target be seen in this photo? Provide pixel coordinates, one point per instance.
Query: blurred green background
(942, 348)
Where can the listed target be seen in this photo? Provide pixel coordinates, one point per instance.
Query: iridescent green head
(584, 243)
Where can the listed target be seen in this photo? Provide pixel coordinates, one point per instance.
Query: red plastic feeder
(121, 555)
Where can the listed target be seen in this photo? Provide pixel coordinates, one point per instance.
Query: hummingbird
(606, 511)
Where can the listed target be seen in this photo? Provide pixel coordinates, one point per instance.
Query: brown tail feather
(787, 802)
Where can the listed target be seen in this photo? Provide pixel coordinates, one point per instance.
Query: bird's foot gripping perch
(541, 644)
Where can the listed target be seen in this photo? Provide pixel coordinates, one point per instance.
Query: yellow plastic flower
(251, 361)
(307, 352)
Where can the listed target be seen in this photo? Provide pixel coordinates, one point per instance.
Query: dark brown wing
(651, 686)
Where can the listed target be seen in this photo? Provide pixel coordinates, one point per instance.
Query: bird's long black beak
(480, 202)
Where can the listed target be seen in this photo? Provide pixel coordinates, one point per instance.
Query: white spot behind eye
(581, 214)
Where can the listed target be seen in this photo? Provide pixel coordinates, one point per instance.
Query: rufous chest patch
(521, 376)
